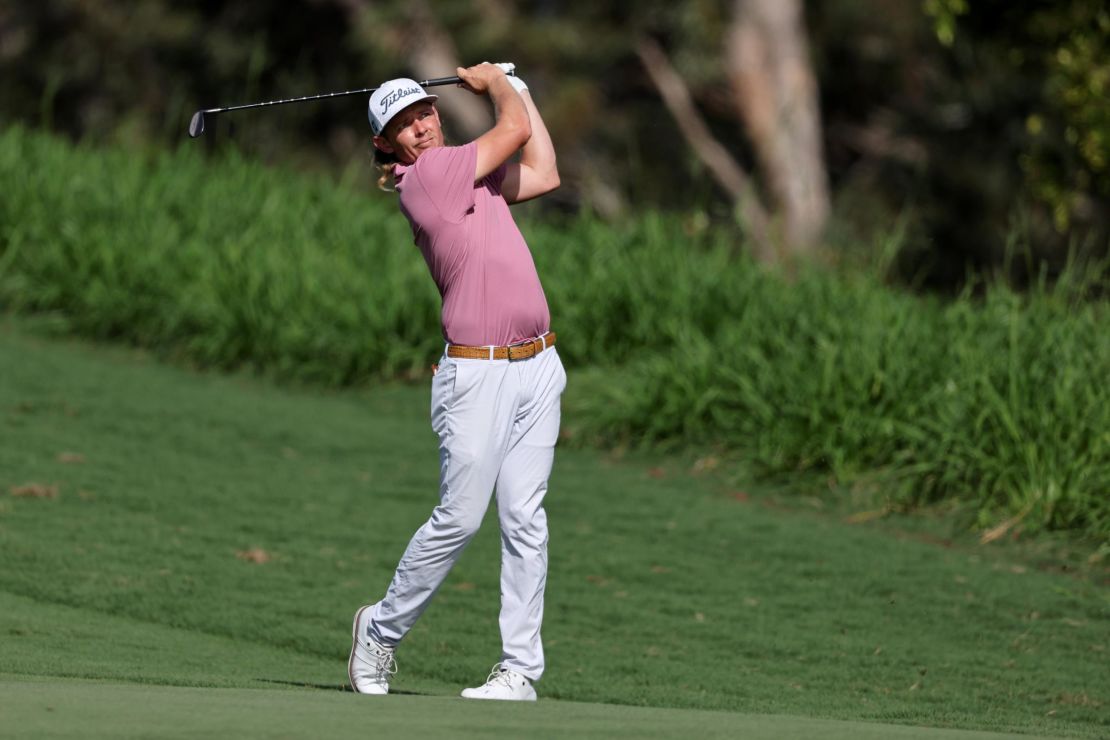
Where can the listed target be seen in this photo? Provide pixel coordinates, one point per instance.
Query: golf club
(197, 124)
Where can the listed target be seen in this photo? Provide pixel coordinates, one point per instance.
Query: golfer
(496, 393)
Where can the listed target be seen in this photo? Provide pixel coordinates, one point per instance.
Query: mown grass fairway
(96, 709)
(163, 527)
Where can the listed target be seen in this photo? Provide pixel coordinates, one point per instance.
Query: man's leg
(521, 486)
(472, 412)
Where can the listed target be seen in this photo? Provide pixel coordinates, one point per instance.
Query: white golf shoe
(503, 684)
(371, 665)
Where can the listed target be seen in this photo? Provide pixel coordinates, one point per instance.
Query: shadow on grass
(342, 688)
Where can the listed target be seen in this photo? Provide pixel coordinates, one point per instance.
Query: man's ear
(383, 143)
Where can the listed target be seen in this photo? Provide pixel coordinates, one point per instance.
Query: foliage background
(980, 126)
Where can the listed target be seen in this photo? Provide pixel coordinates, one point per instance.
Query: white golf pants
(497, 423)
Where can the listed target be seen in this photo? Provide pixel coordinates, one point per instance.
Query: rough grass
(995, 400)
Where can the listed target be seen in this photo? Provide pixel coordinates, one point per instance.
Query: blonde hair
(385, 162)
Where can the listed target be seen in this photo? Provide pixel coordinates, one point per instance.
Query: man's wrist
(517, 83)
(495, 85)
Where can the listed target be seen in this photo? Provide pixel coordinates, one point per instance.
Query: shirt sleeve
(446, 175)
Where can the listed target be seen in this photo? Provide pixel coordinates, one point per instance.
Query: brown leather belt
(513, 352)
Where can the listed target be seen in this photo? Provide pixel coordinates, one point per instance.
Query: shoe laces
(383, 662)
(500, 674)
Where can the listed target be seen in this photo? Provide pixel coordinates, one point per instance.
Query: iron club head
(196, 126)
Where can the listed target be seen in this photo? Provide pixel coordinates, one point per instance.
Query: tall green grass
(231, 265)
(1003, 401)
(998, 398)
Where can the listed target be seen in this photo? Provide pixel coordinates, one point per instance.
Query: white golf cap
(392, 98)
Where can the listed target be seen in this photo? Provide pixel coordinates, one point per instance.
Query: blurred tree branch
(722, 166)
(768, 59)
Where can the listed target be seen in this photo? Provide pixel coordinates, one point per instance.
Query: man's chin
(415, 153)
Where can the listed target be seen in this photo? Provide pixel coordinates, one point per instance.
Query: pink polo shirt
(474, 250)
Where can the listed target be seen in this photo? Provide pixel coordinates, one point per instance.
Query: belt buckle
(518, 345)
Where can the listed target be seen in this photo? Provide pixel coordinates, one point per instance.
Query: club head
(196, 126)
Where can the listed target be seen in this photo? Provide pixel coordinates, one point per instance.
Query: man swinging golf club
(496, 393)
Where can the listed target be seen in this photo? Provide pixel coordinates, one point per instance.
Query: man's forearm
(508, 107)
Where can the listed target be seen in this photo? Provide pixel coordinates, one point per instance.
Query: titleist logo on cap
(396, 95)
(391, 98)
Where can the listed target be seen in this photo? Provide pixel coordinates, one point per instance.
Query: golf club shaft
(363, 91)
(197, 125)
